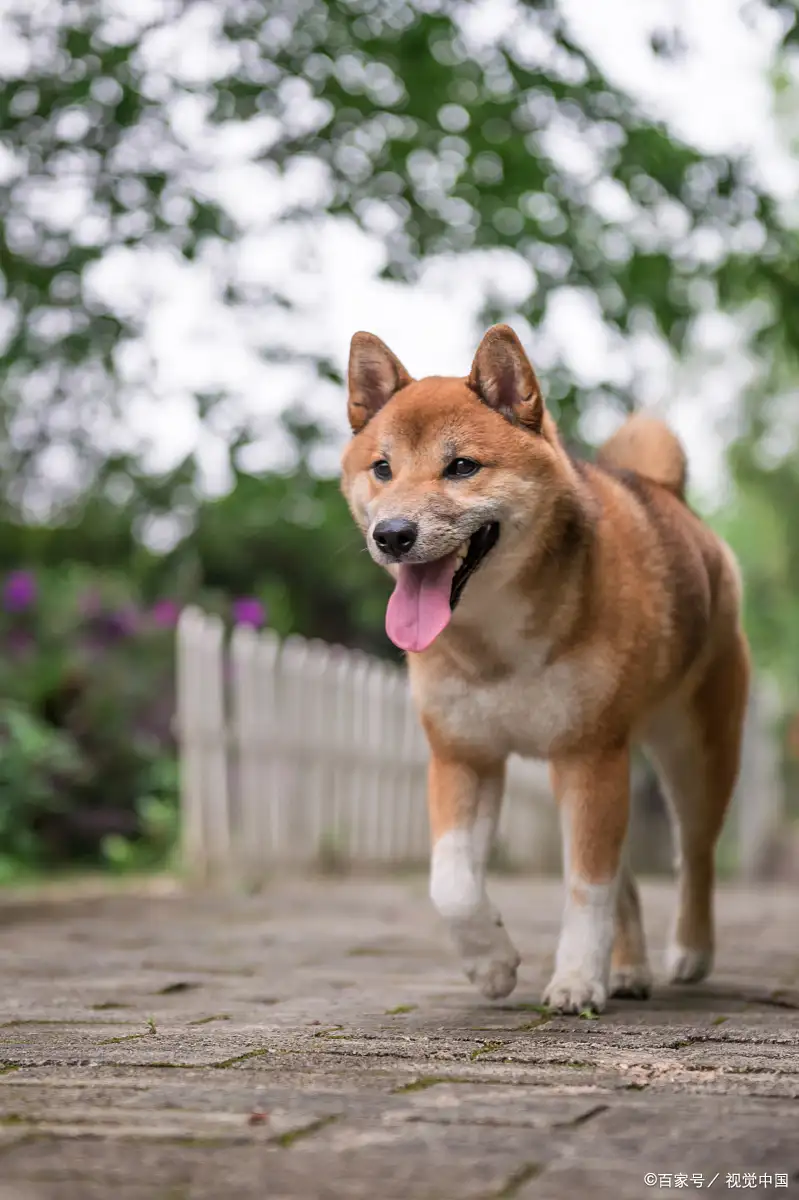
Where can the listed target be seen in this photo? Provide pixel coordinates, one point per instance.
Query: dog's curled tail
(646, 445)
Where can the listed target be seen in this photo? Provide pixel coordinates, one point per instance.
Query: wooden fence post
(202, 725)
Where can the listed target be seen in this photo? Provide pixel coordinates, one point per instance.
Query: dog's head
(445, 475)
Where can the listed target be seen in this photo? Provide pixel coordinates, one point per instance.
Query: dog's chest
(532, 709)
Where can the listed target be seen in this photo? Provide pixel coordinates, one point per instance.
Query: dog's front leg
(464, 805)
(593, 794)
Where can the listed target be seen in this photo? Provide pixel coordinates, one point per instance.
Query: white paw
(684, 965)
(633, 982)
(489, 957)
(572, 992)
(494, 977)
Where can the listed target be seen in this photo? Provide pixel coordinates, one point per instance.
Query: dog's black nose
(395, 537)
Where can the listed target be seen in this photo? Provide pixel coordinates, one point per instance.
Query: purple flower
(123, 621)
(165, 613)
(19, 592)
(249, 611)
(110, 626)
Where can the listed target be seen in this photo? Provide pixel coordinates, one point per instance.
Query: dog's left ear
(503, 378)
(374, 375)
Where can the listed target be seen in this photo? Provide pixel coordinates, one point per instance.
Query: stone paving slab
(319, 1041)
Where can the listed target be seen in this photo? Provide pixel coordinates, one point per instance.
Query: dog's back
(663, 573)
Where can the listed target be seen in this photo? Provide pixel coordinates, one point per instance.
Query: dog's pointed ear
(373, 377)
(503, 378)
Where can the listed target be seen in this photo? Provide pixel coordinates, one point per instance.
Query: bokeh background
(201, 201)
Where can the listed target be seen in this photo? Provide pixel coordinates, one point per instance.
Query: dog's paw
(494, 977)
(571, 992)
(489, 957)
(686, 965)
(633, 983)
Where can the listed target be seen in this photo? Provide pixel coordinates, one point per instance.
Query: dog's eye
(381, 470)
(461, 468)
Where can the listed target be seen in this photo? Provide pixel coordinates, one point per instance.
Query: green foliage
(761, 524)
(437, 145)
(291, 539)
(86, 751)
(36, 760)
(158, 827)
(440, 143)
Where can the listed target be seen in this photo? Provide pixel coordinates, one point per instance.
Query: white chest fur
(528, 710)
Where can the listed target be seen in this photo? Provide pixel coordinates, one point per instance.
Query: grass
(486, 1048)
(295, 1135)
(132, 1037)
(231, 1062)
(544, 1019)
(18, 1022)
(517, 1181)
(427, 1081)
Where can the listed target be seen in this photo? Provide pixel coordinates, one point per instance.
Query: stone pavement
(318, 1042)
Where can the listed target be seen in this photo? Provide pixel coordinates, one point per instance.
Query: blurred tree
(289, 536)
(400, 118)
(427, 137)
(285, 536)
(760, 521)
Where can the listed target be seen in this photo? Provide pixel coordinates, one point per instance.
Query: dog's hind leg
(630, 974)
(696, 746)
(465, 801)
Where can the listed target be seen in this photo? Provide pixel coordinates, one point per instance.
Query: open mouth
(471, 556)
(426, 594)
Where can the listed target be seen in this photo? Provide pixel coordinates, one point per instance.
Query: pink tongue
(419, 606)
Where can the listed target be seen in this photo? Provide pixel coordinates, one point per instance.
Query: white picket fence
(299, 753)
(759, 806)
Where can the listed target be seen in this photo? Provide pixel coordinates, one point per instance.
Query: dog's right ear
(373, 377)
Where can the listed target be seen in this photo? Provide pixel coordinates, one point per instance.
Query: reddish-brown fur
(606, 615)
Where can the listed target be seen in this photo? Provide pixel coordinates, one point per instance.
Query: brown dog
(563, 611)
